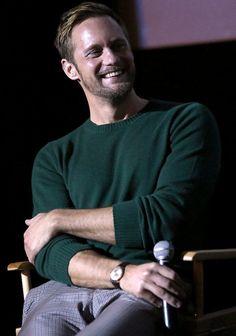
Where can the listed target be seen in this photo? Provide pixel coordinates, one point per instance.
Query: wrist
(127, 281)
(56, 220)
(117, 274)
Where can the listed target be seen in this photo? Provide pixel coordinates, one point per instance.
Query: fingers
(163, 294)
(28, 222)
(155, 283)
(170, 286)
(33, 219)
(168, 279)
(153, 299)
(169, 273)
(33, 236)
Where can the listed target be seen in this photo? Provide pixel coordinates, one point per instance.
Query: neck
(105, 112)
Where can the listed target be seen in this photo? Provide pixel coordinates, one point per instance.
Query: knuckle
(161, 292)
(168, 283)
(141, 287)
(172, 275)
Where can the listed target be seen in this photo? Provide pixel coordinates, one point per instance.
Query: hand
(154, 282)
(41, 229)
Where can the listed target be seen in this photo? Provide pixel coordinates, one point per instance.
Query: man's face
(103, 58)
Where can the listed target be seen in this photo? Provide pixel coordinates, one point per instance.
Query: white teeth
(112, 74)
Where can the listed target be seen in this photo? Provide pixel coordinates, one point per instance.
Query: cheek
(92, 66)
(129, 57)
(85, 65)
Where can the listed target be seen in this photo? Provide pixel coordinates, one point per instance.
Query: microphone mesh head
(163, 250)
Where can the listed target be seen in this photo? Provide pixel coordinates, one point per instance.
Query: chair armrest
(20, 266)
(24, 267)
(197, 258)
(204, 255)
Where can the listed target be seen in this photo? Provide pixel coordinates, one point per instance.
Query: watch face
(117, 273)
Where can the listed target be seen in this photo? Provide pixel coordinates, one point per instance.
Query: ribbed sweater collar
(91, 126)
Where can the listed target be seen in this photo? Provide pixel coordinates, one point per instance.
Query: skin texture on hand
(40, 230)
(155, 283)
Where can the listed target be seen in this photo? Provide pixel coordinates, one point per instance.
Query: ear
(70, 70)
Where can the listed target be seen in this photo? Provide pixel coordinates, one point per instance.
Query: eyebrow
(110, 43)
(91, 47)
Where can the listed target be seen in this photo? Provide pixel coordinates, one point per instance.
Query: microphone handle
(170, 316)
(169, 312)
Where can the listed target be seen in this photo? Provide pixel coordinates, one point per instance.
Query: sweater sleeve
(53, 260)
(49, 192)
(184, 186)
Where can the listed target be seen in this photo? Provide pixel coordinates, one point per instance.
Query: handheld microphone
(164, 251)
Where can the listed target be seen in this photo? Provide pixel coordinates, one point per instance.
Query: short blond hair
(75, 16)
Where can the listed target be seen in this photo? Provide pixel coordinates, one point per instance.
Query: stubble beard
(113, 95)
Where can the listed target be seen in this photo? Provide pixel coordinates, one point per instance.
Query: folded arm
(183, 176)
(96, 224)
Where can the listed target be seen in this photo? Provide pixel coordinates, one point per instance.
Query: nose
(109, 56)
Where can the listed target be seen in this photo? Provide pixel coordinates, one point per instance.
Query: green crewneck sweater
(157, 169)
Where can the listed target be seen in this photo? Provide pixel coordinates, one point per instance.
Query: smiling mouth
(110, 74)
(113, 74)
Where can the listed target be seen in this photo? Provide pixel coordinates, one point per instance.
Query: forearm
(91, 224)
(149, 281)
(95, 224)
(53, 259)
(89, 269)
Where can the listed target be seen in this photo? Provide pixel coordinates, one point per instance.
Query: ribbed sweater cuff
(126, 220)
(53, 263)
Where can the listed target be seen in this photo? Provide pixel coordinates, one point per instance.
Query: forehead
(97, 30)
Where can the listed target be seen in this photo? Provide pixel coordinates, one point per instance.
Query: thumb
(27, 222)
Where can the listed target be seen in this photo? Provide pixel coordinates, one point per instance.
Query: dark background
(40, 104)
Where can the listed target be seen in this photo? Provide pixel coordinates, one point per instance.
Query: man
(136, 172)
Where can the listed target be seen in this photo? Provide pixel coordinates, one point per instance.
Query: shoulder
(189, 110)
(60, 147)
(177, 107)
(174, 113)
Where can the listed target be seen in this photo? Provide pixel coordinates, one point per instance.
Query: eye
(119, 45)
(95, 52)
